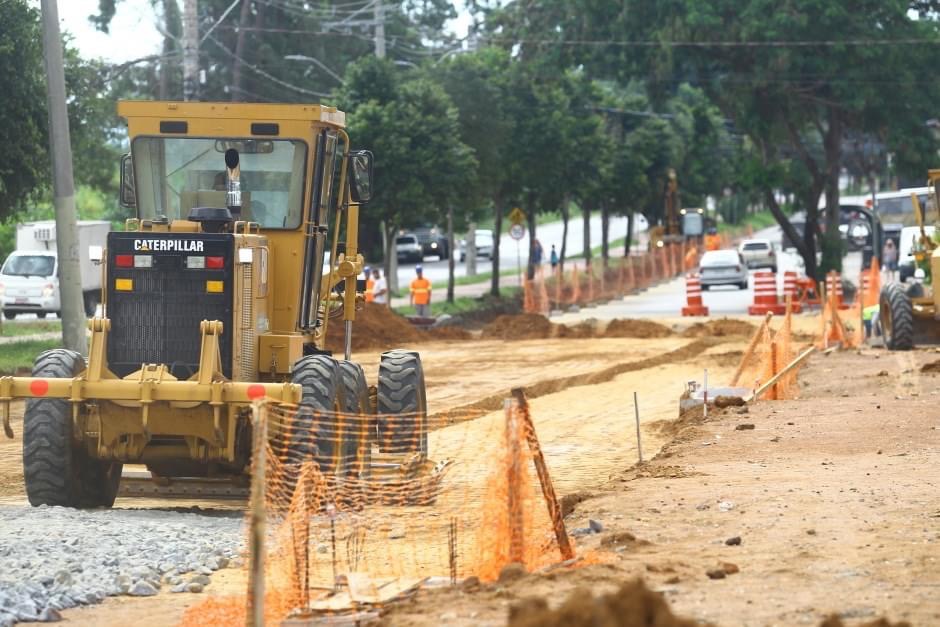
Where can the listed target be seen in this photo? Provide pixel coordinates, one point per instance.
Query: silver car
(758, 253)
(723, 267)
(408, 249)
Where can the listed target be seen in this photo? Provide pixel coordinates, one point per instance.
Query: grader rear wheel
(358, 424)
(402, 404)
(56, 470)
(317, 433)
(897, 318)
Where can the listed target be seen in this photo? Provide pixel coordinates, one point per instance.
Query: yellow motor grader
(219, 293)
(910, 314)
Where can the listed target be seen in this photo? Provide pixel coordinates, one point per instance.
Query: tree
(411, 125)
(24, 162)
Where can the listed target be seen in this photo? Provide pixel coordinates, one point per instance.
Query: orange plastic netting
(354, 503)
(768, 354)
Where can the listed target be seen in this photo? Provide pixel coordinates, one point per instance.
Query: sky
(132, 33)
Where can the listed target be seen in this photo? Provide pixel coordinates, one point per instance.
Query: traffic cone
(765, 295)
(693, 296)
(789, 290)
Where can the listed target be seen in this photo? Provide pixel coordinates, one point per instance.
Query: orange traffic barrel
(834, 288)
(790, 289)
(765, 295)
(693, 296)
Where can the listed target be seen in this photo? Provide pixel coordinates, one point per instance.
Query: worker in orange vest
(712, 240)
(370, 283)
(421, 294)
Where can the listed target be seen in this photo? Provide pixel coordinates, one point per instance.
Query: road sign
(516, 216)
(517, 231)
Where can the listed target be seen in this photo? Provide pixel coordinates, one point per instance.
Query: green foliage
(19, 356)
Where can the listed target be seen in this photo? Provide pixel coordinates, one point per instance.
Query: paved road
(435, 268)
(668, 299)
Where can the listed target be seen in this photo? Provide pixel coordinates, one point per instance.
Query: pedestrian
(379, 288)
(537, 253)
(889, 257)
(370, 284)
(421, 294)
(870, 319)
(553, 259)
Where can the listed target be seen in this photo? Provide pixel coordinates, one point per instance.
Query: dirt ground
(829, 504)
(833, 496)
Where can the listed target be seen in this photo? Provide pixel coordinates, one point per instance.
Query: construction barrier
(340, 524)
(870, 284)
(769, 359)
(834, 289)
(693, 294)
(765, 295)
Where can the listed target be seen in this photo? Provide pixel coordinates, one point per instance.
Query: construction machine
(219, 294)
(910, 312)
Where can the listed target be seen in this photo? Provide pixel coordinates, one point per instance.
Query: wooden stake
(773, 380)
(514, 485)
(255, 614)
(548, 490)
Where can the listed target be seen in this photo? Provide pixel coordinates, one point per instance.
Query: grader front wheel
(897, 318)
(56, 470)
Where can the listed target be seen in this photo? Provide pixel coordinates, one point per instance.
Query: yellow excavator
(219, 293)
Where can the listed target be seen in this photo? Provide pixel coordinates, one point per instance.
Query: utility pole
(190, 50)
(379, 29)
(63, 185)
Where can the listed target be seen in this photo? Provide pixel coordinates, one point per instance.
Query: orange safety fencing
(583, 284)
(768, 353)
(350, 511)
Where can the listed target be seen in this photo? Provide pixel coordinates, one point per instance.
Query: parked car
(408, 249)
(908, 238)
(433, 241)
(758, 253)
(723, 267)
(483, 239)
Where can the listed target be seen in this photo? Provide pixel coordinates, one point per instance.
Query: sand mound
(636, 328)
(376, 327)
(634, 605)
(449, 333)
(583, 330)
(719, 328)
(932, 367)
(519, 327)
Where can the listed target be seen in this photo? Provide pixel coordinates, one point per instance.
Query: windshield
(29, 265)
(407, 240)
(756, 246)
(901, 210)
(175, 174)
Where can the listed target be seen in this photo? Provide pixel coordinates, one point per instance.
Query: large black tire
(41, 315)
(402, 404)
(9, 315)
(58, 471)
(90, 301)
(897, 318)
(317, 432)
(358, 421)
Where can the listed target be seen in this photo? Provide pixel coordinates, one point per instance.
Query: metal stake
(639, 443)
(705, 395)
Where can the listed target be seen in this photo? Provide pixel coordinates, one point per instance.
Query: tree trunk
(530, 218)
(605, 234)
(237, 88)
(565, 218)
(171, 30)
(450, 257)
(471, 250)
(832, 145)
(586, 220)
(497, 230)
(391, 261)
(629, 242)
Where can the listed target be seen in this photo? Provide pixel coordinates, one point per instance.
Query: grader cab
(218, 294)
(910, 313)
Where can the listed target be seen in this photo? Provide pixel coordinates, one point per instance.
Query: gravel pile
(54, 558)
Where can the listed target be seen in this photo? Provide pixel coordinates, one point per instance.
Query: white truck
(29, 278)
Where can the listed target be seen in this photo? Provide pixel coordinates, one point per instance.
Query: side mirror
(128, 195)
(360, 163)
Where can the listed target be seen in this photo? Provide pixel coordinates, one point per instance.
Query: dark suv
(433, 241)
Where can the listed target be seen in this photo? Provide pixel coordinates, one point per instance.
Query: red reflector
(124, 261)
(38, 387)
(216, 263)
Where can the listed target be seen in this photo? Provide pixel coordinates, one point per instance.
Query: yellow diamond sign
(516, 216)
